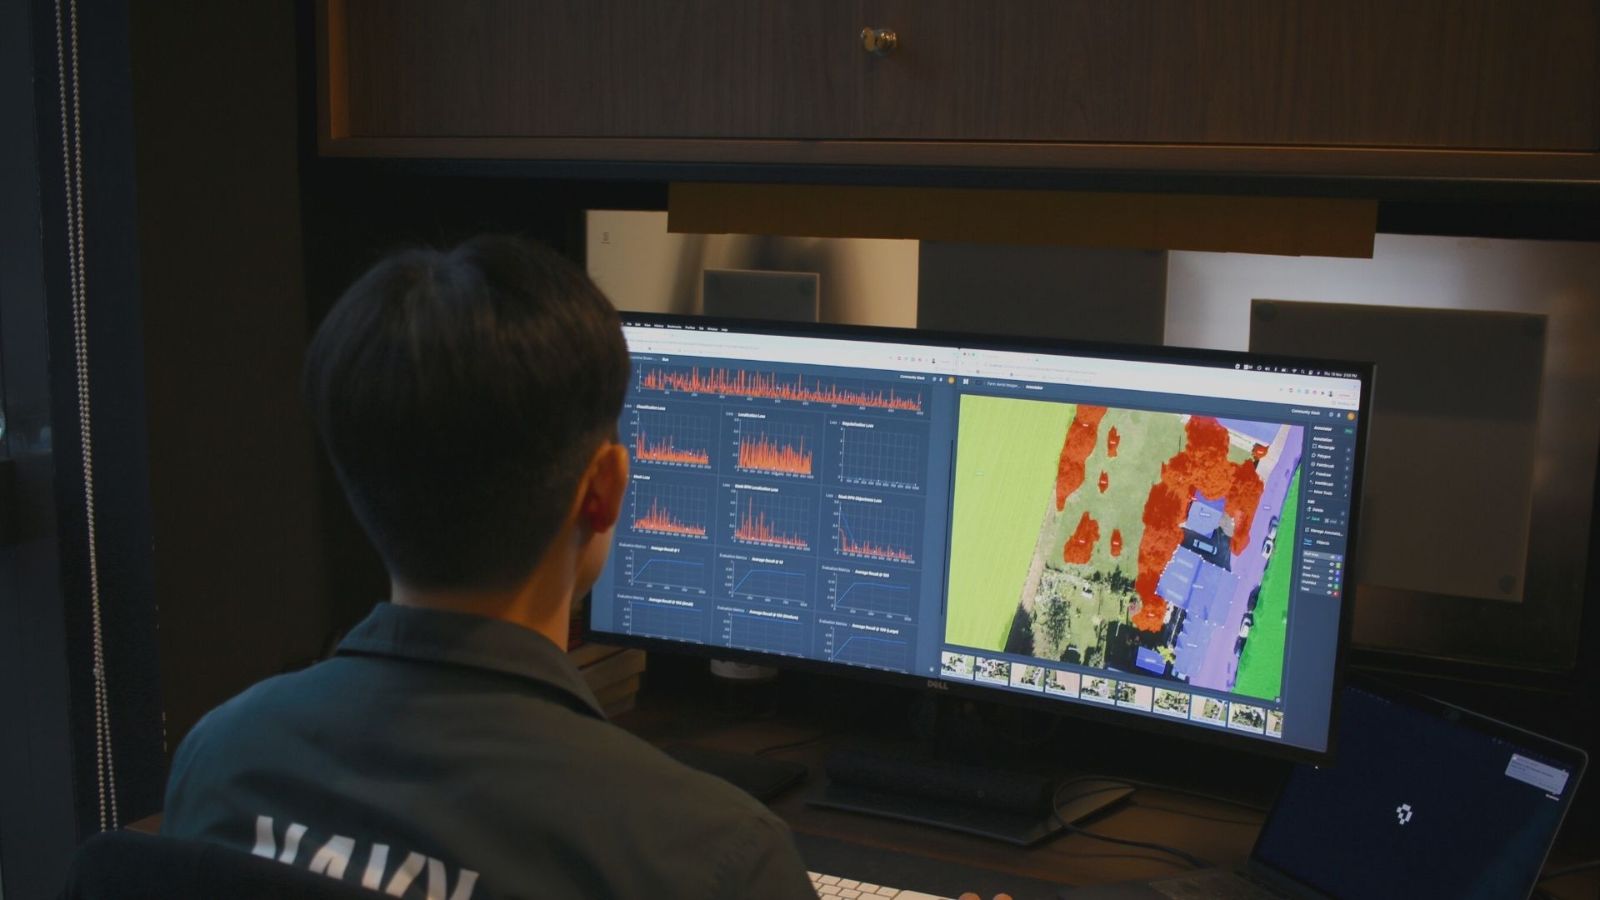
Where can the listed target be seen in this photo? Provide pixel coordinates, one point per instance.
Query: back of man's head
(460, 395)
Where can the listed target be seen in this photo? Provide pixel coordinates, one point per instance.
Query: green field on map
(1261, 663)
(1006, 455)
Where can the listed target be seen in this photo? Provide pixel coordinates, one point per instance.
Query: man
(449, 750)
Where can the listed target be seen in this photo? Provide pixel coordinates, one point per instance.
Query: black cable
(792, 745)
(1254, 823)
(1573, 869)
(1201, 795)
(1055, 815)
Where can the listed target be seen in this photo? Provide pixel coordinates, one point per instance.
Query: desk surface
(1219, 832)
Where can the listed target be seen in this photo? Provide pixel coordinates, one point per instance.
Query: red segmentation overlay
(659, 518)
(1116, 542)
(1202, 469)
(1081, 545)
(664, 452)
(1112, 440)
(1105, 482)
(871, 550)
(755, 529)
(739, 383)
(763, 454)
(1080, 441)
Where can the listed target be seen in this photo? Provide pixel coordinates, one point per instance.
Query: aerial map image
(1143, 542)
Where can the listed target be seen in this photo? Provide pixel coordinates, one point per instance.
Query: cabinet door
(598, 68)
(1493, 74)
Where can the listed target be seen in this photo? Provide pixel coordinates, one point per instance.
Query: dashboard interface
(1159, 534)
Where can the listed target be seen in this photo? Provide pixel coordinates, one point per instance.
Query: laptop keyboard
(849, 889)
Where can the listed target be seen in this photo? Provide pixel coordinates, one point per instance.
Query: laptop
(1424, 799)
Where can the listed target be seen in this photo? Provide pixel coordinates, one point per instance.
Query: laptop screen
(1421, 800)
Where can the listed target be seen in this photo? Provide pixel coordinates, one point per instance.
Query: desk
(1219, 832)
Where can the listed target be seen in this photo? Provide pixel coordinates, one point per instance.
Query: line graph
(879, 532)
(873, 650)
(736, 382)
(870, 596)
(669, 508)
(767, 582)
(678, 623)
(672, 438)
(753, 631)
(775, 448)
(772, 520)
(881, 454)
(667, 569)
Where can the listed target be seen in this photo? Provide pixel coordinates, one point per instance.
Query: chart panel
(681, 569)
(872, 645)
(870, 592)
(767, 578)
(882, 529)
(773, 443)
(663, 617)
(662, 504)
(766, 385)
(678, 435)
(878, 453)
(769, 631)
(767, 516)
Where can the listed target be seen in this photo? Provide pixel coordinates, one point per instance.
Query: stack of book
(613, 673)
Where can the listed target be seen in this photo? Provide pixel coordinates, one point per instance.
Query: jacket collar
(460, 639)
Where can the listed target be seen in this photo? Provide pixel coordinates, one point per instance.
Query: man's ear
(604, 488)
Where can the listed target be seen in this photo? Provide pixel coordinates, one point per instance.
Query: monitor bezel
(1189, 730)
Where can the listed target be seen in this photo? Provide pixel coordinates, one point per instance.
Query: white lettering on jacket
(333, 859)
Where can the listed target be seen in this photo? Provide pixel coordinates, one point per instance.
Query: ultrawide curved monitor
(1156, 535)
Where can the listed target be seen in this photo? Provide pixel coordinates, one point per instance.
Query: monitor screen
(1153, 534)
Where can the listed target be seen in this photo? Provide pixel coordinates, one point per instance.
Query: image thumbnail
(1029, 677)
(1059, 682)
(1245, 717)
(1172, 703)
(1123, 539)
(993, 671)
(955, 665)
(1097, 688)
(1209, 710)
(1275, 723)
(1134, 695)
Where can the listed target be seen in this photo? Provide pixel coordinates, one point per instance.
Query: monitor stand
(1014, 807)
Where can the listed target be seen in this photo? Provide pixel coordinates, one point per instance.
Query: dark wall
(236, 546)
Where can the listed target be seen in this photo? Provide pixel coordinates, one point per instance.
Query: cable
(1253, 823)
(1202, 795)
(792, 745)
(1055, 816)
(1573, 869)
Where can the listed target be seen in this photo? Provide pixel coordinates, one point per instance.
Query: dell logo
(937, 685)
(1402, 813)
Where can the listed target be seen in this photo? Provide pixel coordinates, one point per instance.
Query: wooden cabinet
(1433, 87)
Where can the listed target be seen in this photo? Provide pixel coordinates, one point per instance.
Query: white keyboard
(834, 886)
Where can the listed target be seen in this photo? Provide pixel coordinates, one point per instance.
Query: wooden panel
(1291, 226)
(1419, 73)
(638, 68)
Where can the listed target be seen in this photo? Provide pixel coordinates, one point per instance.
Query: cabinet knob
(879, 41)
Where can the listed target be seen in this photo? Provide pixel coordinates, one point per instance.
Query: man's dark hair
(460, 395)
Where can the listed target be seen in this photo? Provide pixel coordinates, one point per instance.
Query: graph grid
(882, 533)
(754, 581)
(847, 593)
(881, 457)
(775, 448)
(758, 385)
(672, 439)
(772, 520)
(844, 645)
(643, 569)
(751, 632)
(679, 510)
(678, 623)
